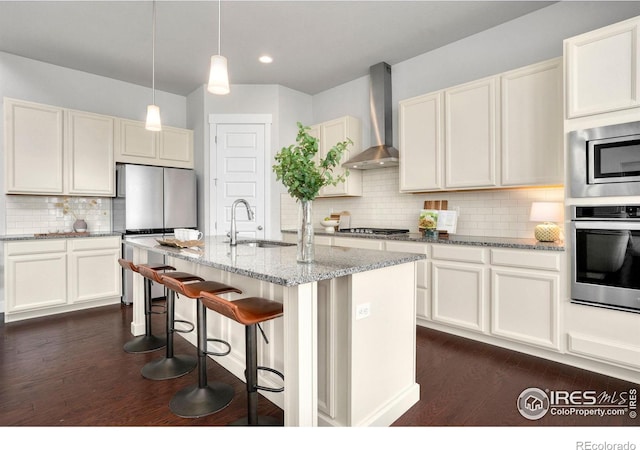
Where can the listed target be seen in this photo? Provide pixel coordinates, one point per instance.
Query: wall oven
(605, 161)
(605, 260)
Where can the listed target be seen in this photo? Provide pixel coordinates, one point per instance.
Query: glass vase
(305, 231)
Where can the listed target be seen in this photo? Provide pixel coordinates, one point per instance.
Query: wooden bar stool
(147, 342)
(170, 366)
(250, 312)
(205, 397)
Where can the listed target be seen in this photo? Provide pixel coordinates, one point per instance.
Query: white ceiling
(316, 45)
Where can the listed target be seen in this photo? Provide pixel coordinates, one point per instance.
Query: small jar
(431, 233)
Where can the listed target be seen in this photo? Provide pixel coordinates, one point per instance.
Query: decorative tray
(179, 244)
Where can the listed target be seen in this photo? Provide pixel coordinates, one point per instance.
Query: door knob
(260, 227)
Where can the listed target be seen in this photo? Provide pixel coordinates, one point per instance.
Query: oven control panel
(610, 212)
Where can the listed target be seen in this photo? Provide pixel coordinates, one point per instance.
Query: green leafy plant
(301, 173)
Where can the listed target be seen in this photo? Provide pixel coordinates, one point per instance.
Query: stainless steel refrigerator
(152, 201)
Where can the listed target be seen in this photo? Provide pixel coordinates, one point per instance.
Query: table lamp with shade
(549, 213)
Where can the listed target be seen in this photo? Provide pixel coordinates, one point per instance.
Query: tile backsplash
(491, 213)
(27, 214)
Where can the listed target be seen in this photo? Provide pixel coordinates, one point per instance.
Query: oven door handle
(602, 225)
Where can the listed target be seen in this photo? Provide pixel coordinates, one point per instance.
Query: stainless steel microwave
(605, 161)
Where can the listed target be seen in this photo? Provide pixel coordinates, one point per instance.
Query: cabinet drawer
(97, 243)
(459, 253)
(543, 260)
(36, 246)
(365, 243)
(409, 247)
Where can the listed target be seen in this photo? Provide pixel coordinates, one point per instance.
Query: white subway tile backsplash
(42, 214)
(503, 213)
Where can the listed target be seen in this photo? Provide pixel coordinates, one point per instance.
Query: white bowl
(329, 223)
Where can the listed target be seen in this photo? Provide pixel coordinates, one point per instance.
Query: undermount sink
(265, 244)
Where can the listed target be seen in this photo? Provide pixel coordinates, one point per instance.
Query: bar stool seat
(171, 365)
(147, 342)
(205, 397)
(250, 312)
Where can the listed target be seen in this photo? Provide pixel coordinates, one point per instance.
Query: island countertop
(278, 264)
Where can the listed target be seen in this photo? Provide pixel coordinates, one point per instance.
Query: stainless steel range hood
(382, 153)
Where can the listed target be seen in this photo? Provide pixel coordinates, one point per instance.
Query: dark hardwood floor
(70, 370)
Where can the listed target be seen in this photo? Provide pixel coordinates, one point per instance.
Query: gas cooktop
(385, 231)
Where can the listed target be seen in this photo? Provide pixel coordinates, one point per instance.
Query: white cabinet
(525, 296)
(34, 148)
(459, 286)
(421, 143)
(471, 134)
(52, 276)
(329, 134)
(532, 125)
(602, 70)
(89, 154)
(171, 147)
(35, 275)
(51, 150)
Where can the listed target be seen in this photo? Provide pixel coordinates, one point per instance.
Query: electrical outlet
(363, 310)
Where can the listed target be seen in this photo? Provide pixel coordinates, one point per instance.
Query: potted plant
(304, 173)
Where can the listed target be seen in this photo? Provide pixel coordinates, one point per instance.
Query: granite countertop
(482, 241)
(28, 237)
(278, 265)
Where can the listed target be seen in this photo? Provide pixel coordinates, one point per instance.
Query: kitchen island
(346, 341)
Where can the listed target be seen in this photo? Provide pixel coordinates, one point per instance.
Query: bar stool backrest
(150, 273)
(128, 264)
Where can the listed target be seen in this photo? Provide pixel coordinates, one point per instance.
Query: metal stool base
(145, 344)
(194, 401)
(263, 421)
(168, 368)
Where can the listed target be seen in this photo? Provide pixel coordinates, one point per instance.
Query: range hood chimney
(382, 153)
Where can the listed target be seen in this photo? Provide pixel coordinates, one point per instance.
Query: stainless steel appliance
(605, 161)
(381, 231)
(152, 200)
(605, 260)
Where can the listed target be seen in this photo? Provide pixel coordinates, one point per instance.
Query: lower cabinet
(44, 277)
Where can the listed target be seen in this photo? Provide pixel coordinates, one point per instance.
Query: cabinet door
(423, 291)
(602, 70)
(36, 281)
(331, 133)
(471, 122)
(89, 154)
(137, 144)
(525, 305)
(420, 140)
(94, 272)
(532, 127)
(33, 148)
(176, 147)
(458, 294)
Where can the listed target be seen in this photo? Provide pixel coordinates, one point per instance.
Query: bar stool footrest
(220, 341)
(186, 322)
(270, 389)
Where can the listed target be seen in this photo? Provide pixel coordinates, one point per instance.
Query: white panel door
(240, 173)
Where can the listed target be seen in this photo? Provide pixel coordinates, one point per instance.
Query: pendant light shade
(218, 75)
(153, 118)
(153, 112)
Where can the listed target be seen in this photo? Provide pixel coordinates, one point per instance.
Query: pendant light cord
(219, 2)
(153, 54)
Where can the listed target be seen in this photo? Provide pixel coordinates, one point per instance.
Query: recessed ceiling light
(265, 59)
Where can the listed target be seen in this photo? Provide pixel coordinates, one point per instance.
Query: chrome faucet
(233, 238)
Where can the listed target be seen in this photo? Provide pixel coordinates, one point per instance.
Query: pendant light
(218, 76)
(153, 112)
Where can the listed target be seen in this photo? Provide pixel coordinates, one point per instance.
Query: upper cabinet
(602, 70)
(421, 142)
(50, 150)
(499, 131)
(171, 147)
(329, 134)
(471, 131)
(532, 125)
